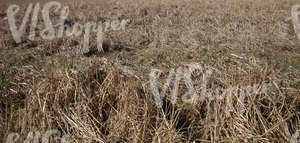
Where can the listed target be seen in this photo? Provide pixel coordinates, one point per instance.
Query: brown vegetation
(48, 85)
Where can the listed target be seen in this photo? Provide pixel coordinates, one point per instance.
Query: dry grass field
(106, 96)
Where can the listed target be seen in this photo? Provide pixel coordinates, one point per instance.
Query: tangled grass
(106, 97)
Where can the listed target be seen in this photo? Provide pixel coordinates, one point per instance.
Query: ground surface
(247, 42)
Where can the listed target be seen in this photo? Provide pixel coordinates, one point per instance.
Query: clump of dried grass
(99, 104)
(96, 104)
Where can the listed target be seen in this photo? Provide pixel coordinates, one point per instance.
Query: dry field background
(47, 85)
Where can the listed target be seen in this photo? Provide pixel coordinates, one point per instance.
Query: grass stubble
(89, 97)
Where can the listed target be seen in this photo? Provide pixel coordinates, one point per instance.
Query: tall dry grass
(100, 104)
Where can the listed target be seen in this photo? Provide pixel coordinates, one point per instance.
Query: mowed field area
(109, 96)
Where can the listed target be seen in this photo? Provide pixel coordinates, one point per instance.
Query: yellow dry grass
(247, 42)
